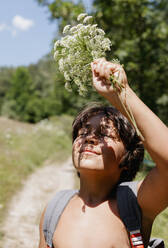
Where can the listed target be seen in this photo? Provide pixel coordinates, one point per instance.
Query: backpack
(129, 211)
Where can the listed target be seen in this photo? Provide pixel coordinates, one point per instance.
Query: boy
(107, 151)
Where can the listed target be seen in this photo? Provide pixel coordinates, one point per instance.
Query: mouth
(90, 151)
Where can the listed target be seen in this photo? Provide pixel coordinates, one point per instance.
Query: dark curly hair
(134, 147)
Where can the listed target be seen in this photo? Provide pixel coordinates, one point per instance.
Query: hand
(101, 71)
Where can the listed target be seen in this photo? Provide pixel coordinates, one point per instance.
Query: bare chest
(83, 226)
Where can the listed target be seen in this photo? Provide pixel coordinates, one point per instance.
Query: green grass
(24, 147)
(160, 225)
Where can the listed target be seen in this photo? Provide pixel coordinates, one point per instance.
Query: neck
(96, 188)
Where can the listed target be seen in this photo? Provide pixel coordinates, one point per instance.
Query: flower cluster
(81, 45)
(74, 53)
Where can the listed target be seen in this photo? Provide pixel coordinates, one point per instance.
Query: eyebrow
(86, 125)
(102, 125)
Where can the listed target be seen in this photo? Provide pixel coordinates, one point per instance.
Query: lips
(90, 151)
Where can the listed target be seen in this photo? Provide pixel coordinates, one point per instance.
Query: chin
(89, 163)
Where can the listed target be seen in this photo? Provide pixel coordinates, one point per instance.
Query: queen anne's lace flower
(66, 29)
(77, 49)
(75, 52)
(81, 16)
(88, 19)
(73, 30)
(68, 86)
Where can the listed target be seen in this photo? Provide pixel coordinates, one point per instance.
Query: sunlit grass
(160, 226)
(25, 147)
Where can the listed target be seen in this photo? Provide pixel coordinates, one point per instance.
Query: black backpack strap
(128, 207)
(130, 214)
(53, 212)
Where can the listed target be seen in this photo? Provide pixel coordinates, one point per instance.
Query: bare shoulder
(152, 193)
(42, 243)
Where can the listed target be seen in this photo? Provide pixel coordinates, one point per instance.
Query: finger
(108, 70)
(114, 67)
(110, 65)
(116, 74)
(105, 81)
(92, 66)
(98, 60)
(100, 68)
(101, 84)
(94, 73)
(105, 68)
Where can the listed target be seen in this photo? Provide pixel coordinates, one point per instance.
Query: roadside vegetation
(160, 226)
(24, 147)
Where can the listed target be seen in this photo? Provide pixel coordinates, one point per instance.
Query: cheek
(114, 150)
(75, 150)
(108, 154)
(76, 145)
(74, 157)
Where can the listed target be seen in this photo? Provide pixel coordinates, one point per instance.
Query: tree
(6, 74)
(138, 30)
(19, 95)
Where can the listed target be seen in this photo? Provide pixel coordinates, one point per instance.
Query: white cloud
(21, 23)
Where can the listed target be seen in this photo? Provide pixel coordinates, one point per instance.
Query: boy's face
(98, 146)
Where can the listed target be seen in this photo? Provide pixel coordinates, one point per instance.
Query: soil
(21, 226)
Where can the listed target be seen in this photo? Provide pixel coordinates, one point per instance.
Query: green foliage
(139, 32)
(18, 95)
(160, 225)
(163, 107)
(37, 92)
(5, 81)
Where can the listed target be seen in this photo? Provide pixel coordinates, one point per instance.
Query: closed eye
(109, 133)
(105, 135)
(82, 134)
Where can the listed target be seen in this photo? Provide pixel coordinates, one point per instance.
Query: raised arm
(153, 192)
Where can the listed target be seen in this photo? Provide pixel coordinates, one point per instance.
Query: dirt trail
(21, 227)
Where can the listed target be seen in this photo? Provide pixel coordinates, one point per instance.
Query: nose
(91, 139)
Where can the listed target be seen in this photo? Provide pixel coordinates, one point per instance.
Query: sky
(26, 32)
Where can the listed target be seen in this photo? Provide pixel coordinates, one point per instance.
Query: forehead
(99, 119)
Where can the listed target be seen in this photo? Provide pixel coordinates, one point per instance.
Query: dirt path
(21, 226)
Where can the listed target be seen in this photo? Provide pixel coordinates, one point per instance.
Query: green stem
(118, 87)
(131, 117)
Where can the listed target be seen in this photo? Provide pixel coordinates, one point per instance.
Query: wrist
(115, 98)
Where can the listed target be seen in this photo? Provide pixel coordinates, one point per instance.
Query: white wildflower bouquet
(74, 53)
(80, 46)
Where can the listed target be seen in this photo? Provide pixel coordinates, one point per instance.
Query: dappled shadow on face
(97, 134)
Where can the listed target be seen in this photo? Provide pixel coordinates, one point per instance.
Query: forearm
(153, 130)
